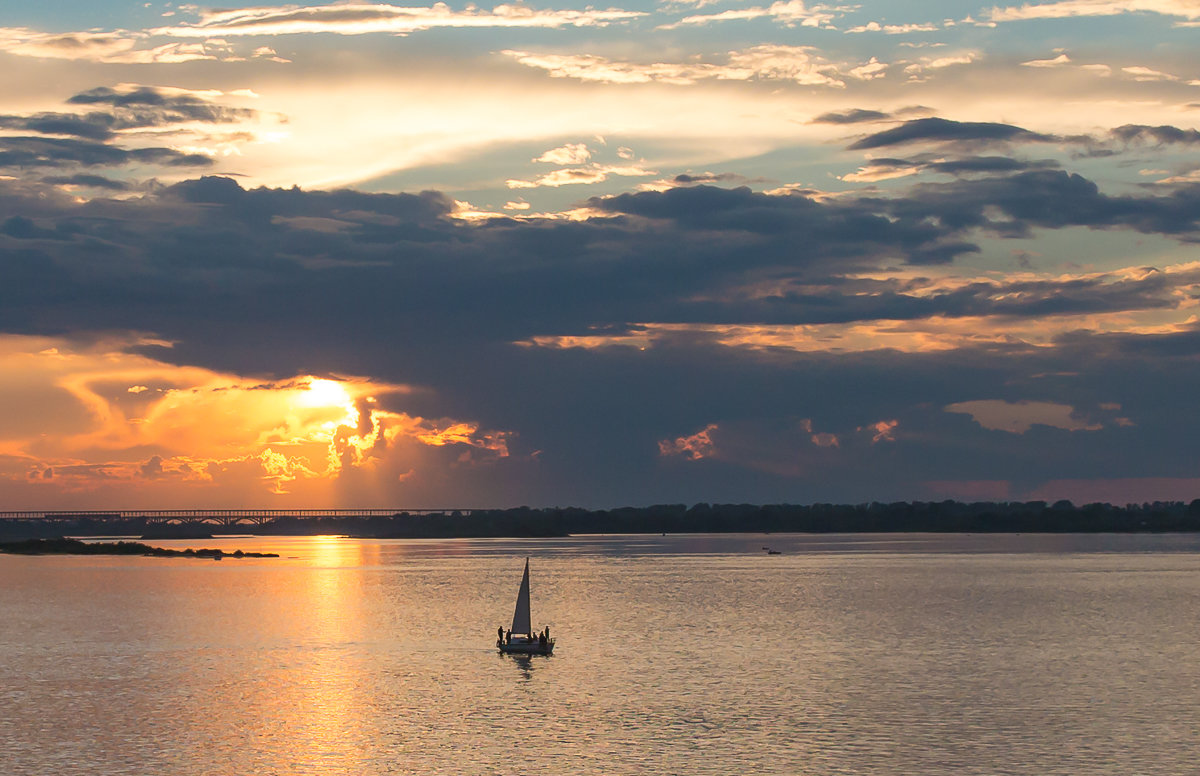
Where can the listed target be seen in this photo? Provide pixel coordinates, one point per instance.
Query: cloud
(1140, 73)
(660, 311)
(919, 72)
(595, 173)
(693, 448)
(799, 64)
(87, 181)
(869, 70)
(571, 153)
(28, 152)
(798, 302)
(1075, 8)
(692, 179)
(1063, 61)
(1186, 178)
(894, 29)
(852, 116)
(92, 127)
(1018, 417)
(938, 130)
(1054, 199)
(285, 431)
(91, 139)
(113, 47)
(882, 431)
(695, 179)
(134, 106)
(885, 168)
(364, 18)
(790, 13)
(788, 448)
(1163, 135)
(1058, 61)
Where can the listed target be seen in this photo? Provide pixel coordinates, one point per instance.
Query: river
(697, 654)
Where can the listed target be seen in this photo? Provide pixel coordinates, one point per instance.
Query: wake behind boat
(520, 639)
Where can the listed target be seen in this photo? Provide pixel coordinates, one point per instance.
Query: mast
(521, 621)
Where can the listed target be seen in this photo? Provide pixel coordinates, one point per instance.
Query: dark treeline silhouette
(934, 517)
(76, 547)
(905, 516)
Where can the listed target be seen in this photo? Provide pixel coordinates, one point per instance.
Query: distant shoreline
(77, 547)
(526, 522)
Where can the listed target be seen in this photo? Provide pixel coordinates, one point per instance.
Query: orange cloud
(882, 431)
(88, 418)
(825, 439)
(693, 448)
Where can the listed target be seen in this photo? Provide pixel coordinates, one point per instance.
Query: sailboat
(520, 639)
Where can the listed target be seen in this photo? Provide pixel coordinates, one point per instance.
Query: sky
(455, 255)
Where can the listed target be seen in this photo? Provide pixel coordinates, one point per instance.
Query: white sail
(520, 623)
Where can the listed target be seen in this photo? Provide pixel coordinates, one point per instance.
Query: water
(676, 655)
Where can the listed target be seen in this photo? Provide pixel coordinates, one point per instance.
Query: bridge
(222, 517)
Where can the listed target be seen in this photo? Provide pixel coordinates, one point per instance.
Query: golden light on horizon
(155, 431)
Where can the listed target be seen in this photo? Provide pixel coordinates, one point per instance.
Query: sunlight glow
(127, 421)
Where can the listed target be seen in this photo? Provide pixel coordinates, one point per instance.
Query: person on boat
(547, 633)
(508, 637)
(500, 634)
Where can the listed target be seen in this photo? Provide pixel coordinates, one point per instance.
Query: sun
(325, 393)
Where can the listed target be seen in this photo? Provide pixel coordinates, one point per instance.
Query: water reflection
(339, 551)
(323, 694)
(524, 664)
(843, 655)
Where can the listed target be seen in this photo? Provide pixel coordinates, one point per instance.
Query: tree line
(874, 517)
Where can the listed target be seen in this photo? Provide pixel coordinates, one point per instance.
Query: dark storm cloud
(1162, 134)
(967, 165)
(22, 228)
(689, 179)
(137, 109)
(149, 107)
(400, 261)
(833, 300)
(989, 164)
(93, 126)
(853, 116)
(401, 291)
(56, 152)
(64, 140)
(24, 152)
(937, 130)
(1051, 199)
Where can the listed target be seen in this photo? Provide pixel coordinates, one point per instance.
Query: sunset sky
(458, 255)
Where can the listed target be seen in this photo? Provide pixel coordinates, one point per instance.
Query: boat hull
(533, 647)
